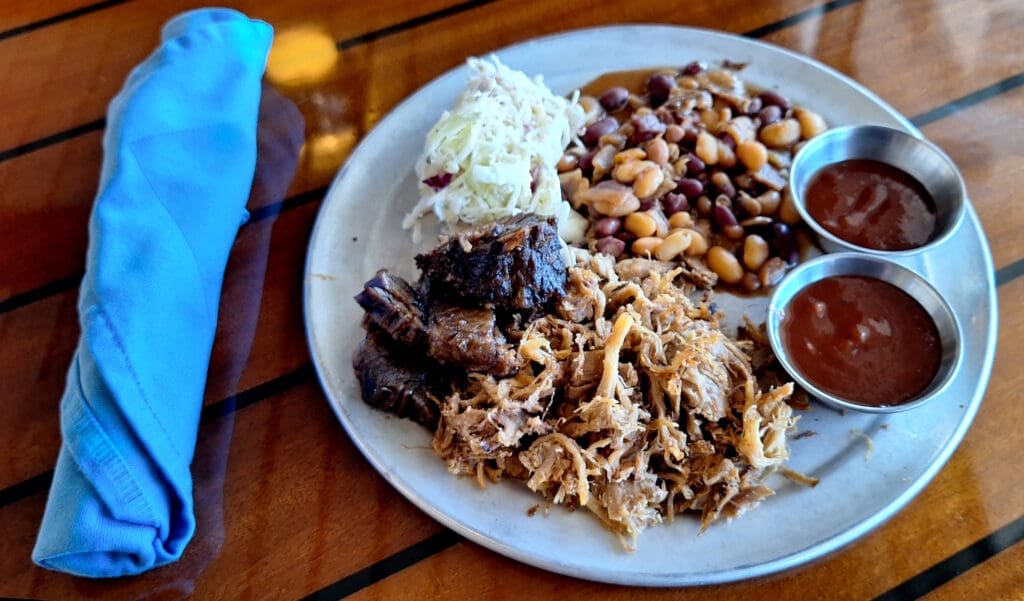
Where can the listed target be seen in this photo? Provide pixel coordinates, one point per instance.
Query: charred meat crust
(391, 303)
(452, 320)
(511, 264)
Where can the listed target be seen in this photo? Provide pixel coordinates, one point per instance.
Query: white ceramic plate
(358, 232)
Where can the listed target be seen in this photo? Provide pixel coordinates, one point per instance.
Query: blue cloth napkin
(179, 155)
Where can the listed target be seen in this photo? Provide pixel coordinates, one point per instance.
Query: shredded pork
(628, 401)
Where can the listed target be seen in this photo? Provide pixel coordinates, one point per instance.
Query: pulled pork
(628, 400)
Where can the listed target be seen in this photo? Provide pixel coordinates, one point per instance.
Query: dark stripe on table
(392, 564)
(800, 17)
(958, 563)
(71, 14)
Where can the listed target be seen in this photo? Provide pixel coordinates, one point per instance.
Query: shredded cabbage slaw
(494, 154)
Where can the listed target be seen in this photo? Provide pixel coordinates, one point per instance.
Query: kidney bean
(690, 187)
(769, 114)
(625, 236)
(756, 104)
(659, 86)
(586, 161)
(722, 216)
(723, 184)
(693, 68)
(607, 226)
(773, 98)
(646, 205)
(675, 202)
(598, 129)
(645, 127)
(728, 140)
(611, 246)
(614, 98)
(694, 165)
(784, 244)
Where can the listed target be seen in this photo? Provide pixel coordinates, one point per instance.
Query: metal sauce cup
(917, 157)
(883, 269)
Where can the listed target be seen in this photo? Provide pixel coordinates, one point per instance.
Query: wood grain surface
(287, 507)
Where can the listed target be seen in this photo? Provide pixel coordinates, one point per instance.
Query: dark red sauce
(871, 204)
(862, 339)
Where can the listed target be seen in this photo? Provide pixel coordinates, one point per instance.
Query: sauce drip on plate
(862, 339)
(872, 204)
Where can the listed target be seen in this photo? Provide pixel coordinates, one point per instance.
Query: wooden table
(287, 507)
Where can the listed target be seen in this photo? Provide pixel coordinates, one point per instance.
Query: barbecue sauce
(872, 204)
(862, 339)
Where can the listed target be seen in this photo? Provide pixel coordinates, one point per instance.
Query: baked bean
(657, 151)
(673, 245)
(626, 172)
(673, 133)
(741, 129)
(707, 148)
(752, 154)
(755, 252)
(749, 204)
(568, 162)
(640, 225)
(611, 199)
(607, 226)
(630, 154)
(787, 209)
(781, 133)
(648, 181)
(645, 247)
(811, 123)
(733, 232)
(725, 265)
(590, 105)
(726, 153)
(698, 244)
(704, 205)
(769, 202)
(680, 219)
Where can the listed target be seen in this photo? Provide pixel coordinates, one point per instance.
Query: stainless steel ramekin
(880, 268)
(921, 159)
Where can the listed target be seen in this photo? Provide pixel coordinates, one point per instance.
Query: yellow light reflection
(301, 56)
(324, 153)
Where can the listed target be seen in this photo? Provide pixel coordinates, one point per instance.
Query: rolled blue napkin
(179, 155)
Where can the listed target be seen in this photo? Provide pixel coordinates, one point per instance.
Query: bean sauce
(862, 339)
(872, 204)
